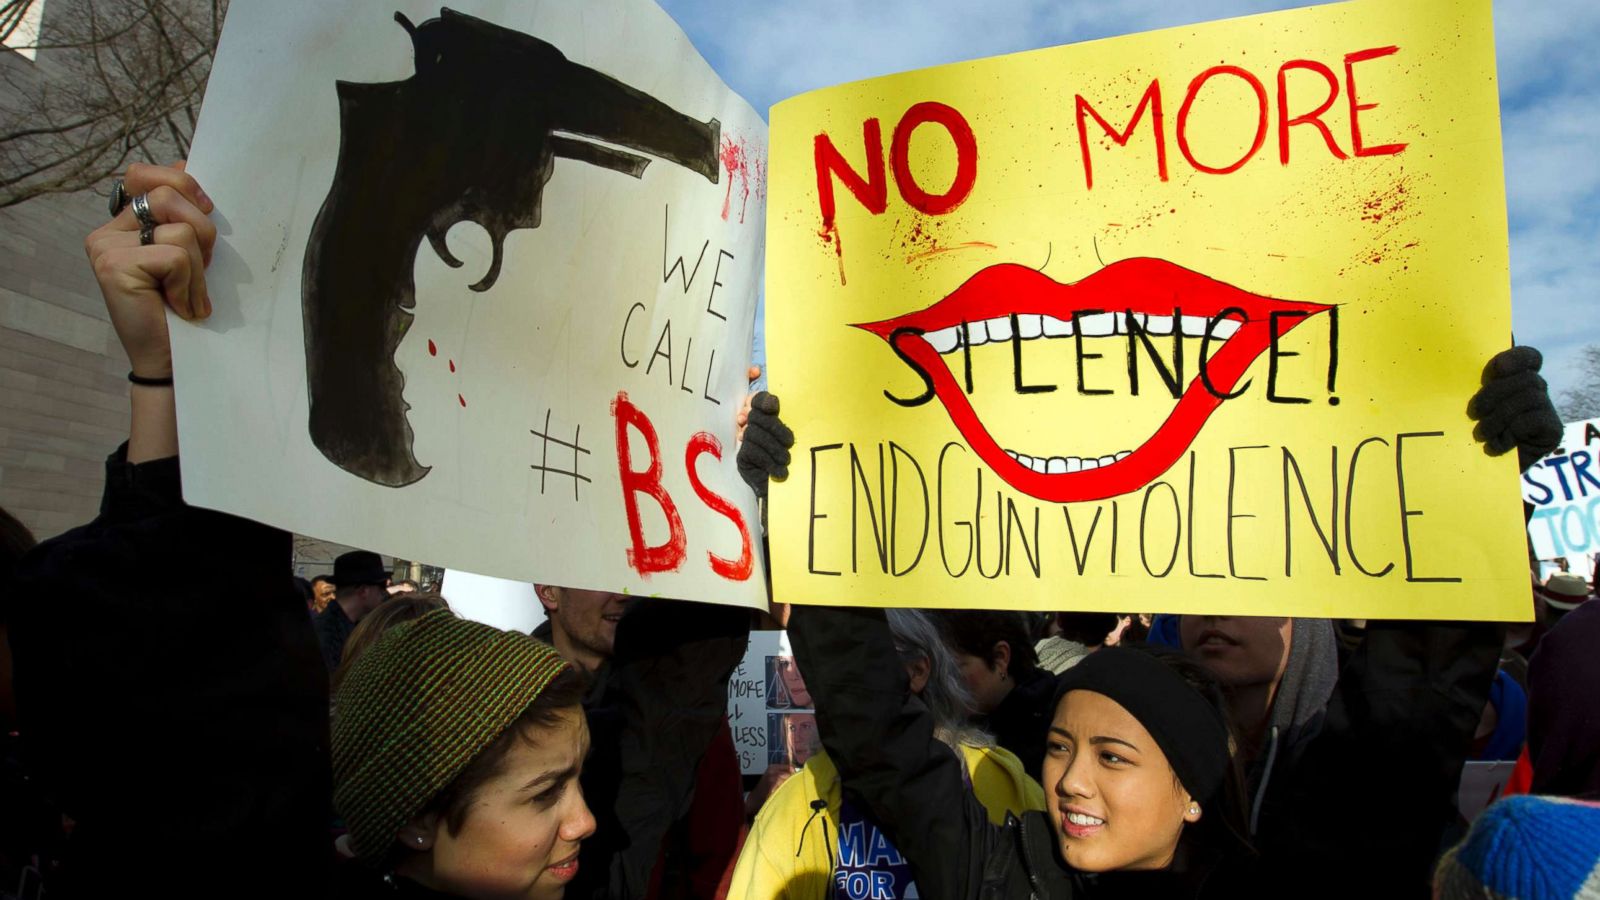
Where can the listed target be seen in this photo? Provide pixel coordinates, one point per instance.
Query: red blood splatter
(735, 156)
(452, 365)
(462, 400)
(830, 235)
(432, 350)
(1387, 209)
(936, 250)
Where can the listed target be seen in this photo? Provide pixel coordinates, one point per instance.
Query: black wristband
(149, 382)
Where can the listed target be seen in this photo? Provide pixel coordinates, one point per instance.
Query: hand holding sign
(1513, 407)
(510, 277)
(764, 455)
(1207, 345)
(138, 279)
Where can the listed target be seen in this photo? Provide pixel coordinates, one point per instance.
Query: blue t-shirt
(870, 868)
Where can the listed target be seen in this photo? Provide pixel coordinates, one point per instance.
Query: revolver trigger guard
(497, 240)
(436, 241)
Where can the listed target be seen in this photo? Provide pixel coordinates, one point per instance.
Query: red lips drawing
(1163, 297)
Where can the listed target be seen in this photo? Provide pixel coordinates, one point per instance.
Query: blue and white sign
(1564, 489)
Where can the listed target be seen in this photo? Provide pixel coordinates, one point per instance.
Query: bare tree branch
(1583, 401)
(112, 79)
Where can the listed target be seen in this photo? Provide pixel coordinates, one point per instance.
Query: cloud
(1549, 85)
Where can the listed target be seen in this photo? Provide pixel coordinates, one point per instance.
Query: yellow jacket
(790, 852)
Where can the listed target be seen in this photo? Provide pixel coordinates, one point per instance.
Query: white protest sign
(1564, 489)
(769, 708)
(507, 605)
(484, 290)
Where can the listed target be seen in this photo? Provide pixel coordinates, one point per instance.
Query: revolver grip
(357, 288)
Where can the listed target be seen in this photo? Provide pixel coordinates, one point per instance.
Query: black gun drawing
(473, 135)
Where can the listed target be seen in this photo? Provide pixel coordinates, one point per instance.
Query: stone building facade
(63, 375)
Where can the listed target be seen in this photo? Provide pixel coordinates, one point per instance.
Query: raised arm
(665, 695)
(172, 632)
(880, 738)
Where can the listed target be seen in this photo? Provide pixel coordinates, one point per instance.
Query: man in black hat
(360, 582)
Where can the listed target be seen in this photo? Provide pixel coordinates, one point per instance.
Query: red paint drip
(432, 350)
(452, 365)
(735, 156)
(462, 400)
(830, 234)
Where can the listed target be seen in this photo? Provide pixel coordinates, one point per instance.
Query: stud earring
(418, 838)
(1194, 810)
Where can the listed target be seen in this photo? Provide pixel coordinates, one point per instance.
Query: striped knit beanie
(1526, 848)
(416, 707)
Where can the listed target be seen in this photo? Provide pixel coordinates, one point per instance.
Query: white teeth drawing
(1031, 327)
(1054, 327)
(1097, 325)
(1061, 465)
(945, 339)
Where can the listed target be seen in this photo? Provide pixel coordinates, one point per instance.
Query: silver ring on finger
(141, 211)
(147, 235)
(119, 198)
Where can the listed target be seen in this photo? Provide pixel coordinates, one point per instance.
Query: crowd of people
(184, 719)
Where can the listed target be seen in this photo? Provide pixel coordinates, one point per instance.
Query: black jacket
(652, 712)
(333, 628)
(173, 700)
(1366, 793)
(881, 739)
(1360, 807)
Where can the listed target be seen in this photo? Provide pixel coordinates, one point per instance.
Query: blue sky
(1549, 55)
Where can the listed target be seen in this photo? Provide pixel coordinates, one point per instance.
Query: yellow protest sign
(1178, 321)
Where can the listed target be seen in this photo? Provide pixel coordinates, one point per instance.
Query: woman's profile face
(1111, 794)
(520, 836)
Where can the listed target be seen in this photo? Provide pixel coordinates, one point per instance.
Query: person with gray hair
(810, 841)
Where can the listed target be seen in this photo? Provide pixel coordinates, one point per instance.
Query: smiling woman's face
(1111, 793)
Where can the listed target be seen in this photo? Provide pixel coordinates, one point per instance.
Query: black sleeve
(881, 740)
(330, 641)
(171, 695)
(1379, 782)
(664, 698)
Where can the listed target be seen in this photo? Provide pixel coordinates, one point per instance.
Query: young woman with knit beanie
(1141, 791)
(457, 749)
